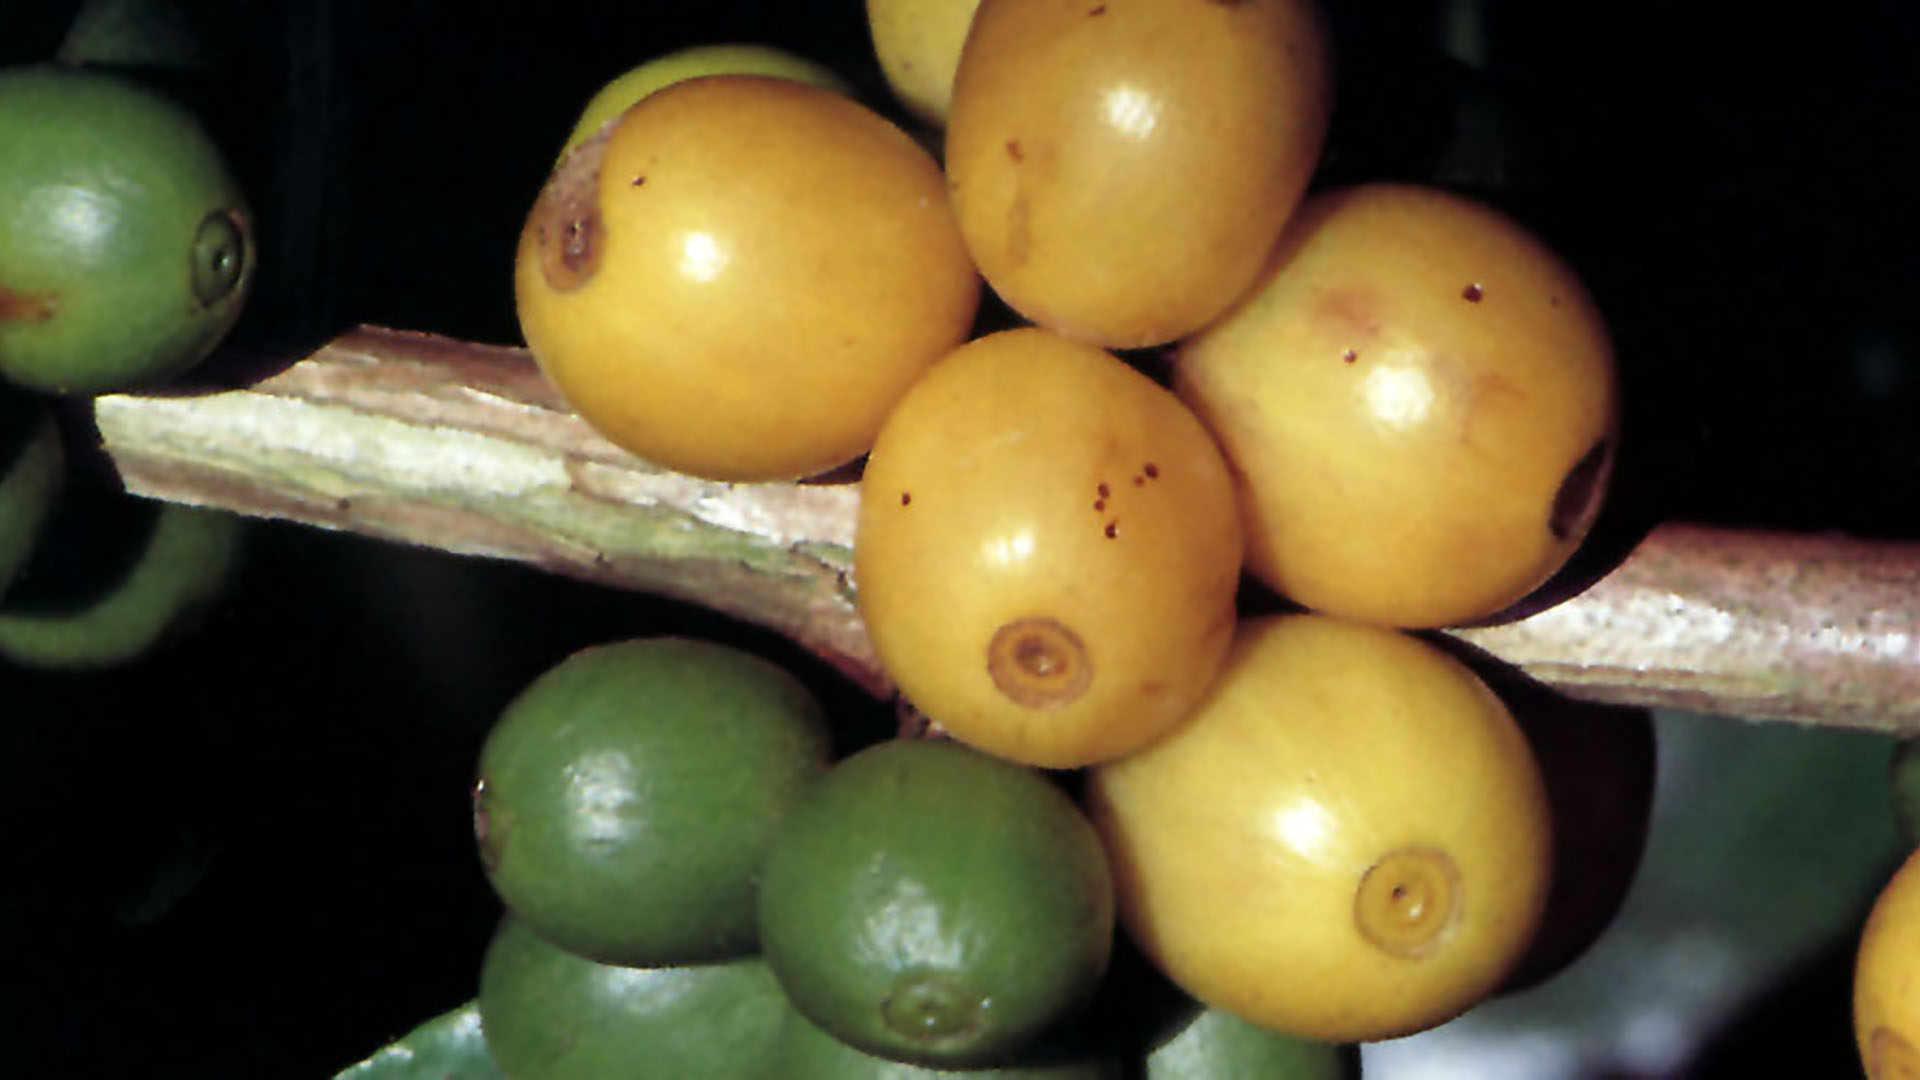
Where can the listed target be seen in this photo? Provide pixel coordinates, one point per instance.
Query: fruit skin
(1419, 401)
(808, 1053)
(743, 278)
(918, 45)
(932, 904)
(33, 466)
(1120, 169)
(548, 1014)
(1886, 981)
(126, 249)
(692, 62)
(1348, 841)
(1032, 493)
(628, 796)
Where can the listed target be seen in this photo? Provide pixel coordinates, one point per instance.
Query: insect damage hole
(1039, 663)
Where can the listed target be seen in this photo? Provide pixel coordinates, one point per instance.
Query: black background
(1734, 181)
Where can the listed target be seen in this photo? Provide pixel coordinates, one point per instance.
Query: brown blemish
(1098, 9)
(1014, 151)
(1104, 491)
(1039, 663)
(566, 218)
(906, 498)
(1139, 481)
(1099, 505)
(27, 307)
(1350, 355)
(1473, 293)
(1578, 500)
(1357, 313)
(1152, 470)
(640, 181)
(1113, 530)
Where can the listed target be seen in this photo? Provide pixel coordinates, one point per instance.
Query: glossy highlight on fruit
(933, 904)
(1047, 551)
(1886, 981)
(1348, 841)
(1120, 168)
(1419, 401)
(629, 795)
(741, 276)
(126, 247)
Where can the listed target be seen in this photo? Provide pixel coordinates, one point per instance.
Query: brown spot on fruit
(1409, 902)
(1578, 499)
(640, 181)
(27, 307)
(1152, 470)
(1014, 151)
(1350, 355)
(1104, 491)
(567, 218)
(906, 498)
(1098, 9)
(1472, 294)
(1112, 530)
(1039, 663)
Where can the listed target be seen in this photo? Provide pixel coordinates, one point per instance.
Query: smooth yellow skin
(918, 45)
(1028, 477)
(1401, 447)
(1240, 841)
(775, 266)
(1122, 167)
(690, 63)
(1886, 983)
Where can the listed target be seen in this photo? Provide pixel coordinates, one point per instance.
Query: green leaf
(447, 1047)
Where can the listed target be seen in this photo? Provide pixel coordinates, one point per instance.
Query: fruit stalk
(464, 447)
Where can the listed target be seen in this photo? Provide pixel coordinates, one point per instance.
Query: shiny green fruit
(126, 247)
(930, 903)
(550, 1015)
(628, 796)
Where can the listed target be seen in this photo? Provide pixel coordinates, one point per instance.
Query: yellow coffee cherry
(1121, 168)
(1349, 840)
(742, 279)
(1047, 550)
(1419, 402)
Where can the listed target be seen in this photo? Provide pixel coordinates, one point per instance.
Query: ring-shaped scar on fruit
(1047, 550)
(740, 277)
(1349, 840)
(126, 247)
(1419, 401)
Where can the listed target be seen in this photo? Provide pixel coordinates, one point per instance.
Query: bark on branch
(465, 448)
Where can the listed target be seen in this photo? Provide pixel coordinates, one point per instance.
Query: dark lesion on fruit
(1039, 662)
(1578, 499)
(27, 307)
(568, 232)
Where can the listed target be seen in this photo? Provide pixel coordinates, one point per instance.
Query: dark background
(249, 855)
